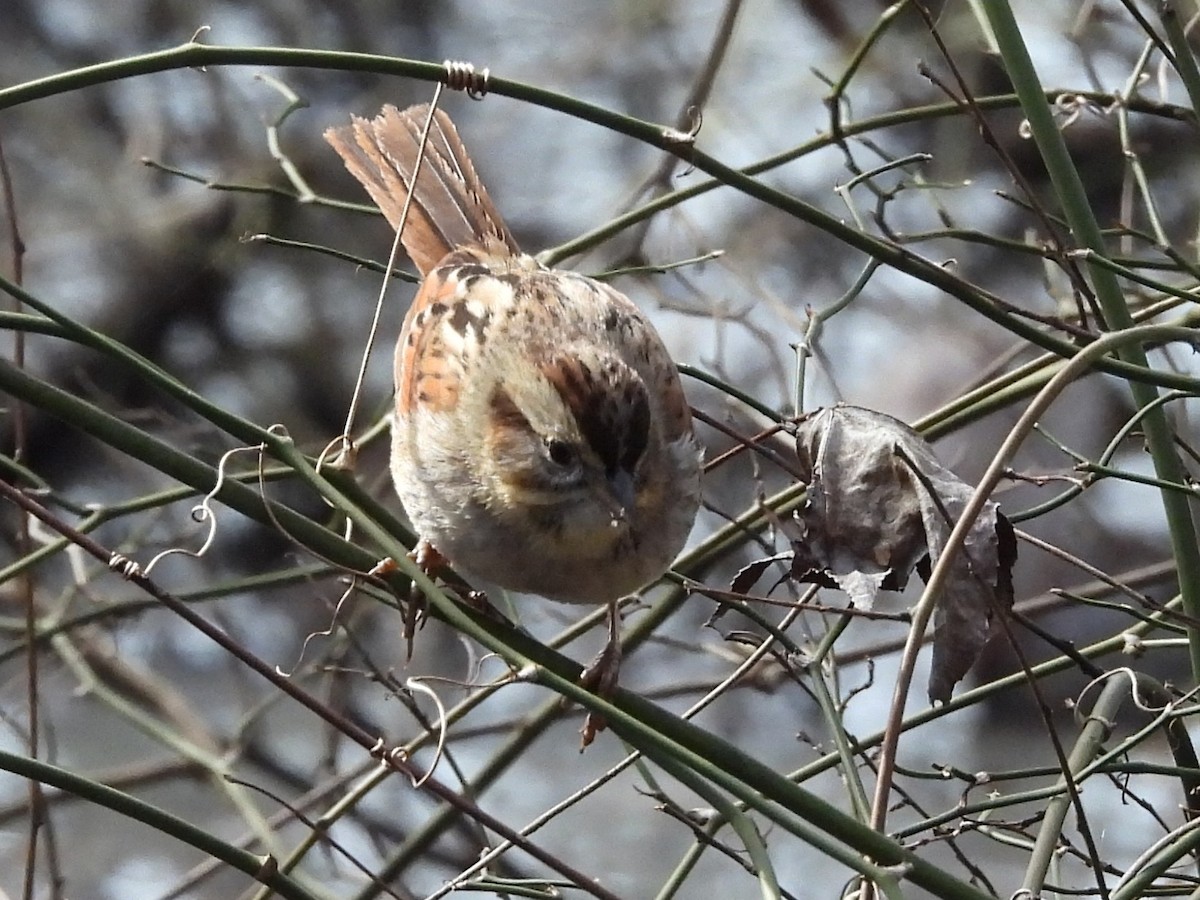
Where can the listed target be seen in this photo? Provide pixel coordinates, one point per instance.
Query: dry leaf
(881, 504)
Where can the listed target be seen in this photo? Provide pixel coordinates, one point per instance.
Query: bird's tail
(450, 207)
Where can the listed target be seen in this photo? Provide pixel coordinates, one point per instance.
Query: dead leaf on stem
(881, 504)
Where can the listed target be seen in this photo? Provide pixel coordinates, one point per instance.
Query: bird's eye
(560, 452)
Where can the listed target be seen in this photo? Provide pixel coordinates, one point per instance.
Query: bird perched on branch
(541, 438)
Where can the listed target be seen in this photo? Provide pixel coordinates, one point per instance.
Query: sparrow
(541, 439)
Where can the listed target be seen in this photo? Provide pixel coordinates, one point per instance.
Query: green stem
(1173, 13)
(741, 823)
(1179, 843)
(261, 869)
(1093, 734)
(1079, 216)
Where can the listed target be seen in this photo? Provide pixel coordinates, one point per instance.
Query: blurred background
(136, 201)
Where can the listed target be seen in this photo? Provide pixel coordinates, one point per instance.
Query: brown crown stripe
(613, 415)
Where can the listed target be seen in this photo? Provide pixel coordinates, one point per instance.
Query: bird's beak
(620, 486)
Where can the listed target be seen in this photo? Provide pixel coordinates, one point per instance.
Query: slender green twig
(879, 28)
(1189, 294)
(1173, 13)
(1162, 856)
(259, 868)
(360, 261)
(742, 824)
(1101, 468)
(1095, 731)
(1078, 212)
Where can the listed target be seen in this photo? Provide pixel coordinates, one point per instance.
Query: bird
(541, 439)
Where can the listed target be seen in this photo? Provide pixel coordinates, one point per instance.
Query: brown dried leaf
(881, 503)
(745, 579)
(748, 575)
